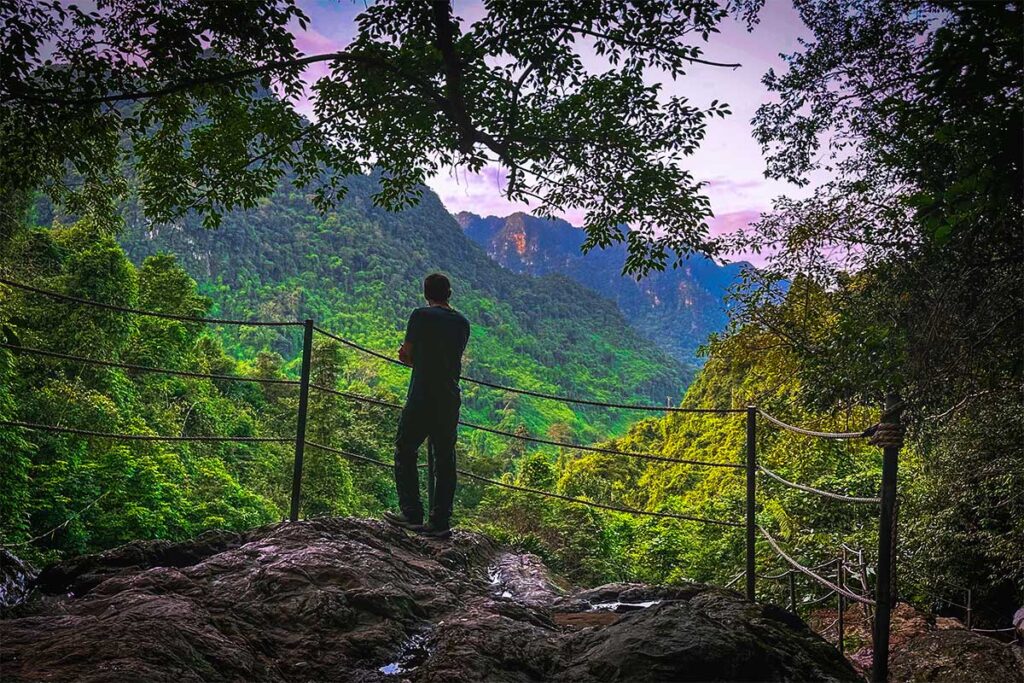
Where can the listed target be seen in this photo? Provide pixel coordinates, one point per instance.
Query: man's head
(437, 288)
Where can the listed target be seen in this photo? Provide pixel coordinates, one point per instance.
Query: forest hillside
(358, 271)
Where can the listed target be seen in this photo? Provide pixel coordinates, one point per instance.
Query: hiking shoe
(433, 530)
(399, 519)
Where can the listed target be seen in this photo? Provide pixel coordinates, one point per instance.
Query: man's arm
(412, 329)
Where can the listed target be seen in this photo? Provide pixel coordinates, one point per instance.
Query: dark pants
(439, 420)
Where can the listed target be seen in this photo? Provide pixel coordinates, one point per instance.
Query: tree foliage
(912, 254)
(200, 99)
(67, 493)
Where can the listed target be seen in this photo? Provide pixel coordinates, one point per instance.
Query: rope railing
(732, 582)
(818, 601)
(784, 574)
(67, 298)
(74, 515)
(143, 368)
(142, 437)
(888, 435)
(535, 394)
(539, 492)
(808, 432)
(820, 492)
(533, 439)
(994, 630)
(811, 573)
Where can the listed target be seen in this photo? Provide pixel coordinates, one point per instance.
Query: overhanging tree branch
(29, 94)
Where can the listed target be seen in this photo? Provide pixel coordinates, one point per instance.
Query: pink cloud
(734, 221)
(483, 193)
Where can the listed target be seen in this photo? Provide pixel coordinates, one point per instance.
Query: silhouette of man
(435, 338)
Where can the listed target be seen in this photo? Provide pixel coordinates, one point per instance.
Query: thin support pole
(841, 582)
(300, 427)
(430, 478)
(970, 610)
(751, 496)
(886, 522)
(792, 590)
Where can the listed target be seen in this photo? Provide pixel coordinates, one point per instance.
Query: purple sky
(729, 159)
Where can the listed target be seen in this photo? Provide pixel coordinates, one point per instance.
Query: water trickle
(622, 606)
(411, 655)
(15, 575)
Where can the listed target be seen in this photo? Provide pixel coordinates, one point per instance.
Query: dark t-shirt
(438, 337)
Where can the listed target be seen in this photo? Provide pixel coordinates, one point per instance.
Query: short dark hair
(436, 287)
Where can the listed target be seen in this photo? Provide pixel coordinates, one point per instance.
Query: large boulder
(357, 600)
(956, 656)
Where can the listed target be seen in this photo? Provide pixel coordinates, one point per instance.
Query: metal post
(969, 610)
(792, 591)
(841, 582)
(300, 428)
(751, 495)
(883, 590)
(430, 478)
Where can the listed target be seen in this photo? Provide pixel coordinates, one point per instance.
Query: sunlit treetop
(197, 101)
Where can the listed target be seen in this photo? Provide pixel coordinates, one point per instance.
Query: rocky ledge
(357, 600)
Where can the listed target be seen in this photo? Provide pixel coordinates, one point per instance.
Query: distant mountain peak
(677, 309)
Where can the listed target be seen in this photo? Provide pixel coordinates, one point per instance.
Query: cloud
(482, 193)
(733, 221)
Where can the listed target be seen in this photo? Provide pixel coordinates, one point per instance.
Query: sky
(729, 159)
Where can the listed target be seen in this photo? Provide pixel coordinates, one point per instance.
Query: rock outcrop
(357, 600)
(957, 656)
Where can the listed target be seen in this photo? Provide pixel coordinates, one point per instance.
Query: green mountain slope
(676, 308)
(357, 271)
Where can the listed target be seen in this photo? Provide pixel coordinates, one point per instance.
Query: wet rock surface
(358, 600)
(15, 576)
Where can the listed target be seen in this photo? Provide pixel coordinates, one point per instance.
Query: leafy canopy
(200, 98)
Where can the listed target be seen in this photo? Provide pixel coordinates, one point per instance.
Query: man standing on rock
(435, 338)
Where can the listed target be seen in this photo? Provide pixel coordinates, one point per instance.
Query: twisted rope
(994, 630)
(809, 572)
(772, 577)
(143, 368)
(547, 494)
(886, 435)
(67, 298)
(535, 394)
(735, 579)
(142, 437)
(811, 489)
(534, 439)
(808, 432)
(818, 601)
(75, 515)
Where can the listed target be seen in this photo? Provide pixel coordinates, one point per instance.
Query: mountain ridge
(677, 308)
